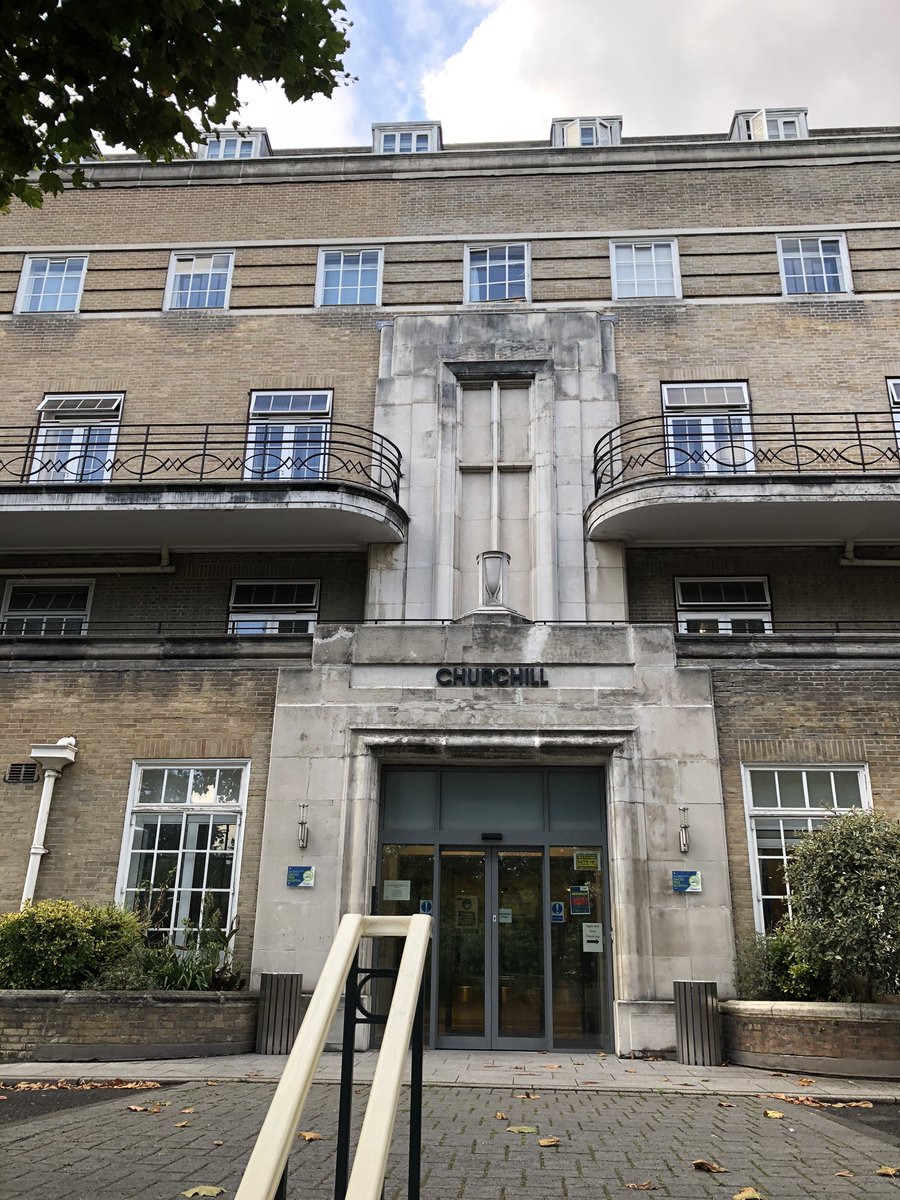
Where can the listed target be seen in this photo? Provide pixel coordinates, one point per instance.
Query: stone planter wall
(85, 1026)
(845, 1039)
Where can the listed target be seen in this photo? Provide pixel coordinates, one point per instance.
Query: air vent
(21, 773)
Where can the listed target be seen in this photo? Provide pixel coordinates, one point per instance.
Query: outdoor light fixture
(684, 831)
(302, 827)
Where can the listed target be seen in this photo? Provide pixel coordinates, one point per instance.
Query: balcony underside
(205, 516)
(750, 510)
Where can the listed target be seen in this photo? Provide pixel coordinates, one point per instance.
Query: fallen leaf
(630, 1071)
(647, 1186)
(726, 1104)
(4, 1097)
(138, 1108)
(182, 1124)
(187, 1110)
(218, 1143)
(500, 1116)
(548, 1067)
(203, 1189)
(710, 1165)
(747, 1193)
(521, 1129)
(309, 1135)
(549, 1141)
(805, 1082)
(528, 1096)
(773, 1114)
(891, 1172)
(778, 1074)
(211, 1082)
(844, 1175)
(85, 1085)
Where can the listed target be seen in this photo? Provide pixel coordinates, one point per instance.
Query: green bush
(61, 944)
(777, 967)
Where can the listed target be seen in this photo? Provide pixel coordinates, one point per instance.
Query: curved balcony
(720, 478)
(317, 484)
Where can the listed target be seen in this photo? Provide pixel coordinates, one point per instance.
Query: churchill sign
(462, 676)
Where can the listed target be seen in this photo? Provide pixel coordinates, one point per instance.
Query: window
(76, 438)
(586, 131)
(723, 605)
(498, 272)
(894, 399)
(707, 428)
(406, 139)
(51, 285)
(50, 608)
(813, 265)
(232, 144)
(644, 269)
(349, 277)
(286, 606)
(199, 280)
(769, 125)
(782, 804)
(181, 851)
(288, 436)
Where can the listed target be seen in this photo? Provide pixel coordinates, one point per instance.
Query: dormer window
(402, 138)
(769, 125)
(586, 131)
(230, 144)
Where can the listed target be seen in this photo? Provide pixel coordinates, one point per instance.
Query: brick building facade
(529, 513)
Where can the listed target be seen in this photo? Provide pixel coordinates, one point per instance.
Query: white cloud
(313, 123)
(668, 67)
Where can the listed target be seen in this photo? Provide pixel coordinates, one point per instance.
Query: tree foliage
(151, 75)
(60, 944)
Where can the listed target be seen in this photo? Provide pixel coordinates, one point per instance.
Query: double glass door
(491, 948)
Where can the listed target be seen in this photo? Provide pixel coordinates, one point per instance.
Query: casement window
(76, 438)
(813, 265)
(406, 139)
(586, 131)
(51, 284)
(644, 269)
(723, 606)
(707, 428)
(288, 435)
(783, 803)
(769, 125)
(498, 272)
(228, 144)
(199, 280)
(180, 859)
(48, 608)
(349, 277)
(273, 606)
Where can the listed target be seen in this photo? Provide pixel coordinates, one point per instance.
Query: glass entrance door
(491, 970)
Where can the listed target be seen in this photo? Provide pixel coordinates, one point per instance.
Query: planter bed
(832, 1039)
(53, 1026)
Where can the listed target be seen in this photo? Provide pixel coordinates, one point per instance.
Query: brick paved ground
(607, 1140)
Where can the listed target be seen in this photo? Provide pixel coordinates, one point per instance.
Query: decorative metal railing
(711, 446)
(304, 454)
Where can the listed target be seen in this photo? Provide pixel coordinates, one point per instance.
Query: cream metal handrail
(269, 1157)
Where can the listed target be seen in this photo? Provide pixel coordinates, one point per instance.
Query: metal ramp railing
(265, 1176)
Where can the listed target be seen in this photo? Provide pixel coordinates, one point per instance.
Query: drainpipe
(849, 559)
(53, 759)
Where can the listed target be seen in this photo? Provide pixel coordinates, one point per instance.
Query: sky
(496, 70)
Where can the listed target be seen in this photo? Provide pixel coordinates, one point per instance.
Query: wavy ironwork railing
(300, 453)
(712, 446)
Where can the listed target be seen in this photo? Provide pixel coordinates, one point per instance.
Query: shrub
(846, 904)
(61, 944)
(777, 967)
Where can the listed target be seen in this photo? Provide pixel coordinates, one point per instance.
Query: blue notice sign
(301, 877)
(557, 912)
(686, 881)
(425, 906)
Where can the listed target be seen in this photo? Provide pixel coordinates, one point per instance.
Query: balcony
(216, 486)
(708, 479)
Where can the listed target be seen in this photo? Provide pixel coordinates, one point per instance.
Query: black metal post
(417, 1046)
(342, 1155)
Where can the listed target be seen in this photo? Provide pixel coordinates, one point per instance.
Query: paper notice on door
(591, 937)
(504, 916)
(396, 889)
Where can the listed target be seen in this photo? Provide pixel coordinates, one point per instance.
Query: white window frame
(299, 424)
(344, 250)
(182, 256)
(486, 247)
(430, 130)
(724, 615)
(846, 277)
(269, 616)
(66, 416)
(748, 121)
(718, 452)
(62, 582)
(134, 809)
(893, 386)
(566, 132)
(809, 814)
(26, 276)
(614, 249)
(257, 139)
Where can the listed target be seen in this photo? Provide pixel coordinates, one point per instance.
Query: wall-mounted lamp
(302, 827)
(684, 831)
